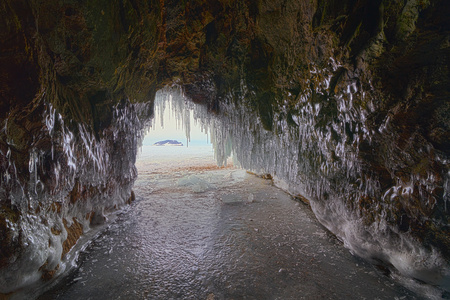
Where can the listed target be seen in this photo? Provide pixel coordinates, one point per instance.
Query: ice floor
(199, 232)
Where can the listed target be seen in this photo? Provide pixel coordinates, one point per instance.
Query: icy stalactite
(173, 99)
(79, 175)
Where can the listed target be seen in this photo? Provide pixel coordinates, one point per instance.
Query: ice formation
(313, 151)
(76, 180)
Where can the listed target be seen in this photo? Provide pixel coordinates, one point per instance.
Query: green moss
(8, 212)
(406, 23)
(422, 167)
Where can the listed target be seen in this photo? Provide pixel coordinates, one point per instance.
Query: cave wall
(77, 86)
(345, 102)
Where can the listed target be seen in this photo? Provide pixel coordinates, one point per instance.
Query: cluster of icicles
(319, 162)
(77, 162)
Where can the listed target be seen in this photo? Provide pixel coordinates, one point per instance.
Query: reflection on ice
(240, 238)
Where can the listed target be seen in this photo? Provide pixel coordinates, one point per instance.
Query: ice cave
(343, 104)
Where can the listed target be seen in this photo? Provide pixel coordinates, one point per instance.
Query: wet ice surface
(198, 232)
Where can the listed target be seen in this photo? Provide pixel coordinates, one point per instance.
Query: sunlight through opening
(177, 138)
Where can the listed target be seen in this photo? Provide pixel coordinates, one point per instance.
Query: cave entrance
(178, 137)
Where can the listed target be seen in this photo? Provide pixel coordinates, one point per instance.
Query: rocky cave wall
(346, 102)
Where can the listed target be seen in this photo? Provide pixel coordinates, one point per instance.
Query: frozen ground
(197, 231)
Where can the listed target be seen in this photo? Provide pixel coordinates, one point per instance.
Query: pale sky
(171, 132)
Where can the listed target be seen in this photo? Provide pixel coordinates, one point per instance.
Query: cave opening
(179, 136)
(174, 120)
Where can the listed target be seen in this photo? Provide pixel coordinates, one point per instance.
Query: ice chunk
(232, 198)
(195, 183)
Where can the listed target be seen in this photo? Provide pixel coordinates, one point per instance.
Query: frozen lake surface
(197, 231)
